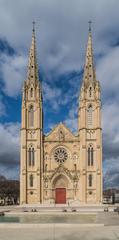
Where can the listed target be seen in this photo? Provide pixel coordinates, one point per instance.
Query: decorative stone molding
(61, 169)
(38, 146)
(98, 146)
(23, 172)
(24, 146)
(98, 172)
(84, 171)
(31, 132)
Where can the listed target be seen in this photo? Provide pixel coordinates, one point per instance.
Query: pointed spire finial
(90, 24)
(33, 29)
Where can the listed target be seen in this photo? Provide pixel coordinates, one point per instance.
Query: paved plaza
(92, 224)
(60, 232)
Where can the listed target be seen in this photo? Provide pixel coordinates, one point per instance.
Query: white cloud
(9, 144)
(110, 118)
(61, 28)
(62, 33)
(72, 123)
(111, 173)
(61, 42)
(72, 119)
(108, 73)
(51, 95)
(2, 107)
(13, 73)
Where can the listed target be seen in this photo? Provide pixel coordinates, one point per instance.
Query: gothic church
(61, 167)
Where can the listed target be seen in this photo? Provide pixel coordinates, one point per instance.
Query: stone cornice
(87, 129)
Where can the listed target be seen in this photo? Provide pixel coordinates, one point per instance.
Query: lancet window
(31, 116)
(31, 180)
(90, 180)
(31, 156)
(90, 111)
(90, 156)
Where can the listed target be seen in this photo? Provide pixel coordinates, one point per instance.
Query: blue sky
(61, 33)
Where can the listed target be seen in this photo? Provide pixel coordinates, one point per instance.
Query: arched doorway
(60, 185)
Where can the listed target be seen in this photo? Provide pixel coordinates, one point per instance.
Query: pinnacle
(32, 64)
(89, 70)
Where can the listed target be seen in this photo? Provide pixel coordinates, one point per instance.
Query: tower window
(31, 92)
(31, 156)
(31, 180)
(46, 167)
(90, 92)
(90, 156)
(46, 156)
(75, 166)
(90, 110)
(90, 180)
(31, 117)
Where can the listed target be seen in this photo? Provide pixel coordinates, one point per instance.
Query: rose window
(60, 155)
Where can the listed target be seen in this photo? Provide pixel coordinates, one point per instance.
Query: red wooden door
(60, 195)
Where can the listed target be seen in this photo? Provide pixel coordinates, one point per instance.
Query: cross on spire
(33, 26)
(90, 24)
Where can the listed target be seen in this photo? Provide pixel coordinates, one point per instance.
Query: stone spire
(89, 69)
(32, 63)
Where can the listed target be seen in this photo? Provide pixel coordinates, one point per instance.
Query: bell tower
(31, 161)
(90, 131)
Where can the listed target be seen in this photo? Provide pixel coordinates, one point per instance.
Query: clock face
(60, 155)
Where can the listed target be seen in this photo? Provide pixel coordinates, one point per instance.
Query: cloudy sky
(61, 32)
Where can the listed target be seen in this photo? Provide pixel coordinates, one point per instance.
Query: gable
(60, 133)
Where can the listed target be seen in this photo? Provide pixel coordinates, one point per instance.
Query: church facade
(61, 167)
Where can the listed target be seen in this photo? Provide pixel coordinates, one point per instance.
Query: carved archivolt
(60, 181)
(61, 169)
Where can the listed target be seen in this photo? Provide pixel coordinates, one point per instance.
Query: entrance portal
(60, 195)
